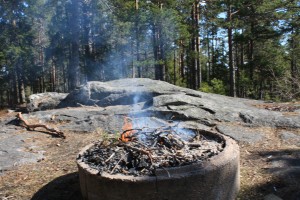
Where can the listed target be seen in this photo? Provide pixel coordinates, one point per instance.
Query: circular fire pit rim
(230, 152)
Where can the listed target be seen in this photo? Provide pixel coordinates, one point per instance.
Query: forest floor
(264, 168)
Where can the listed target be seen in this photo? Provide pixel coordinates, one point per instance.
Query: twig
(137, 142)
(112, 171)
(6, 198)
(33, 126)
(110, 157)
(142, 151)
(132, 129)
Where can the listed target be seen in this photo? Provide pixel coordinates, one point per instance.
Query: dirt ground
(264, 169)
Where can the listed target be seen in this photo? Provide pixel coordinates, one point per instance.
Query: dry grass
(3, 112)
(256, 179)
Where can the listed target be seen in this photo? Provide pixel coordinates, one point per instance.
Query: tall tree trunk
(132, 60)
(124, 68)
(9, 92)
(209, 59)
(2, 98)
(22, 91)
(261, 85)
(181, 59)
(158, 55)
(87, 41)
(213, 63)
(294, 72)
(74, 70)
(65, 85)
(230, 54)
(251, 54)
(174, 65)
(41, 61)
(20, 82)
(240, 62)
(137, 33)
(197, 47)
(158, 50)
(53, 76)
(237, 65)
(192, 57)
(16, 94)
(195, 71)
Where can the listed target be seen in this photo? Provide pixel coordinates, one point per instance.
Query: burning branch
(33, 126)
(141, 151)
(128, 130)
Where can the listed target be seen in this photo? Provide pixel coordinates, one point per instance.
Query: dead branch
(122, 158)
(33, 126)
(110, 157)
(142, 151)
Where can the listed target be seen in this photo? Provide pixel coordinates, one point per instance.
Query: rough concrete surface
(217, 178)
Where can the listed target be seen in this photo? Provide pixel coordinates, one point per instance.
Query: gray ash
(148, 150)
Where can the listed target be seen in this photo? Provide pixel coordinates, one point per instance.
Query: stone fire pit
(214, 178)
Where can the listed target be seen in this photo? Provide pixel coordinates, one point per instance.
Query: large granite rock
(158, 97)
(241, 133)
(104, 104)
(121, 92)
(15, 149)
(44, 101)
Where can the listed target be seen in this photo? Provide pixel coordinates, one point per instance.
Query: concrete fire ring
(215, 179)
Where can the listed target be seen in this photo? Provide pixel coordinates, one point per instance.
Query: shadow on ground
(284, 166)
(62, 188)
(276, 188)
(284, 163)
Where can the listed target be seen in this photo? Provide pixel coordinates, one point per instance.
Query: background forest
(243, 48)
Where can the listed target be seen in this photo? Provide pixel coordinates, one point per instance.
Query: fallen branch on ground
(33, 126)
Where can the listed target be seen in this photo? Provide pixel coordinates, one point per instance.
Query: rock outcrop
(157, 97)
(45, 101)
(121, 92)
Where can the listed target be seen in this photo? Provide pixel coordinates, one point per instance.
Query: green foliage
(107, 138)
(206, 88)
(114, 39)
(216, 86)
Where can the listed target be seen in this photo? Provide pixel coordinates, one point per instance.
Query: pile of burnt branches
(144, 150)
